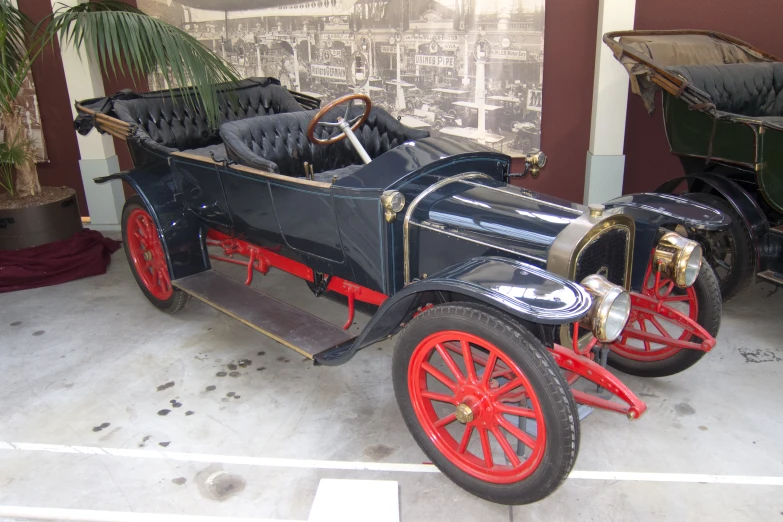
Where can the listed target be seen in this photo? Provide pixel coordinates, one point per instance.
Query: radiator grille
(606, 255)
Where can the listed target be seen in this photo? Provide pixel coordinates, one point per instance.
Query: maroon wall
(569, 64)
(648, 162)
(56, 117)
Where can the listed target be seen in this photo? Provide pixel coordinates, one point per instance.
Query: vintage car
(502, 298)
(723, 114)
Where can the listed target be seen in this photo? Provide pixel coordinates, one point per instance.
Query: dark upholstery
(748, 89)
(216, 151)
(279, 143)
(167, 124)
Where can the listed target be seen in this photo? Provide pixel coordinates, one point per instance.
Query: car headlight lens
(693, 266)
(617, 316)
(611, 308)
(679, 258)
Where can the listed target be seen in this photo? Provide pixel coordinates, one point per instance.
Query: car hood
(503, 215)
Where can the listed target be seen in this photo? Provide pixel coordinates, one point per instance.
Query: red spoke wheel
(486, 402)
(147, 258)
(700, 302)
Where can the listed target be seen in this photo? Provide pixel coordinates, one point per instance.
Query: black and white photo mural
(467, 68)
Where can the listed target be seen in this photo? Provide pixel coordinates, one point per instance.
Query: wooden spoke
(526, 439)
(468, 356)
(511, 455)
(515, 410)
(449, 360)
(449, 399)
(507, 387)
(445, 421)
(488, 369)
(486, 448)
(427, 367)
(463, 444)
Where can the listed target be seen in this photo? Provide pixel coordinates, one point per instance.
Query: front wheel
(486, 402)
(700, 302)
(147, 259)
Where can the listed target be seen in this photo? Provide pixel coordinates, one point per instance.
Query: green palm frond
(126, 41)
(15, 57)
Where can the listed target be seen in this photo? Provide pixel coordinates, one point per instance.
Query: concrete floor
(95, 353)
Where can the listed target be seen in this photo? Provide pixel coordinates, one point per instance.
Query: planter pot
(38, 224)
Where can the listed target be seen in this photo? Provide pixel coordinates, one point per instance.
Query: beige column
(83, 79)
(605, 159)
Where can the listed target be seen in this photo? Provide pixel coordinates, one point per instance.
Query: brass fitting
(535, 162)
(674, 257)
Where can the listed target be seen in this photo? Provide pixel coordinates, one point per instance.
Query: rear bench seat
(166, 124)
(748, 89)
(279, 143)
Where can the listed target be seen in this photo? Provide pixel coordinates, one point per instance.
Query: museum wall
(569, 43)
(648, 162)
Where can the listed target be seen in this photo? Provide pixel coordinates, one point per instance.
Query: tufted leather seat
(748, 89)
(166, 124)
(279, 143)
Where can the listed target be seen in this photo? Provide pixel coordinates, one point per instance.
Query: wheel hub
(148, 255)
(464, 413)
(474, 405)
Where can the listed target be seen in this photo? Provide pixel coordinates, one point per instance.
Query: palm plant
(16, 59)
(17, 150)
(123, 40)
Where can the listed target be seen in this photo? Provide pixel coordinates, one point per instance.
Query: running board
(288, 325)
(771, 276)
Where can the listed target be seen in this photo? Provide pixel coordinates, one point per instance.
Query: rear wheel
(730, 251)
(699, 302)
(486, 402)
(147, 259)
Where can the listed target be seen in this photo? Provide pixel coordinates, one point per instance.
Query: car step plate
(286, 324)
(771, 276)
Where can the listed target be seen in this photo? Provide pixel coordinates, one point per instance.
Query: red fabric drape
(84, 254)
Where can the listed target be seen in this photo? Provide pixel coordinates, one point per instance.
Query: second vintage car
(502, 298)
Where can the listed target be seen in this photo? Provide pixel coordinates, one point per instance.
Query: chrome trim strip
(424, 193)
(466, 238)
(531, 198)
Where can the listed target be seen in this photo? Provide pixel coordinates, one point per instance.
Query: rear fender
(523, 291)
(181, 232)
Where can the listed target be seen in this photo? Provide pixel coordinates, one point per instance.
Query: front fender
(742, 202)
(670, 209)
(180, 231)
(518, 289)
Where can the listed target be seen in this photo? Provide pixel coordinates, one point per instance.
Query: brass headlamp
(679, 258)
(611, 308)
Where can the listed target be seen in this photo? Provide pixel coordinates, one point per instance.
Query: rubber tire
(178, 299)
(557, 402)
(744, 268)
(707, 291)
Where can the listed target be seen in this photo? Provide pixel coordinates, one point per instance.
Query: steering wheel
(354, 123)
